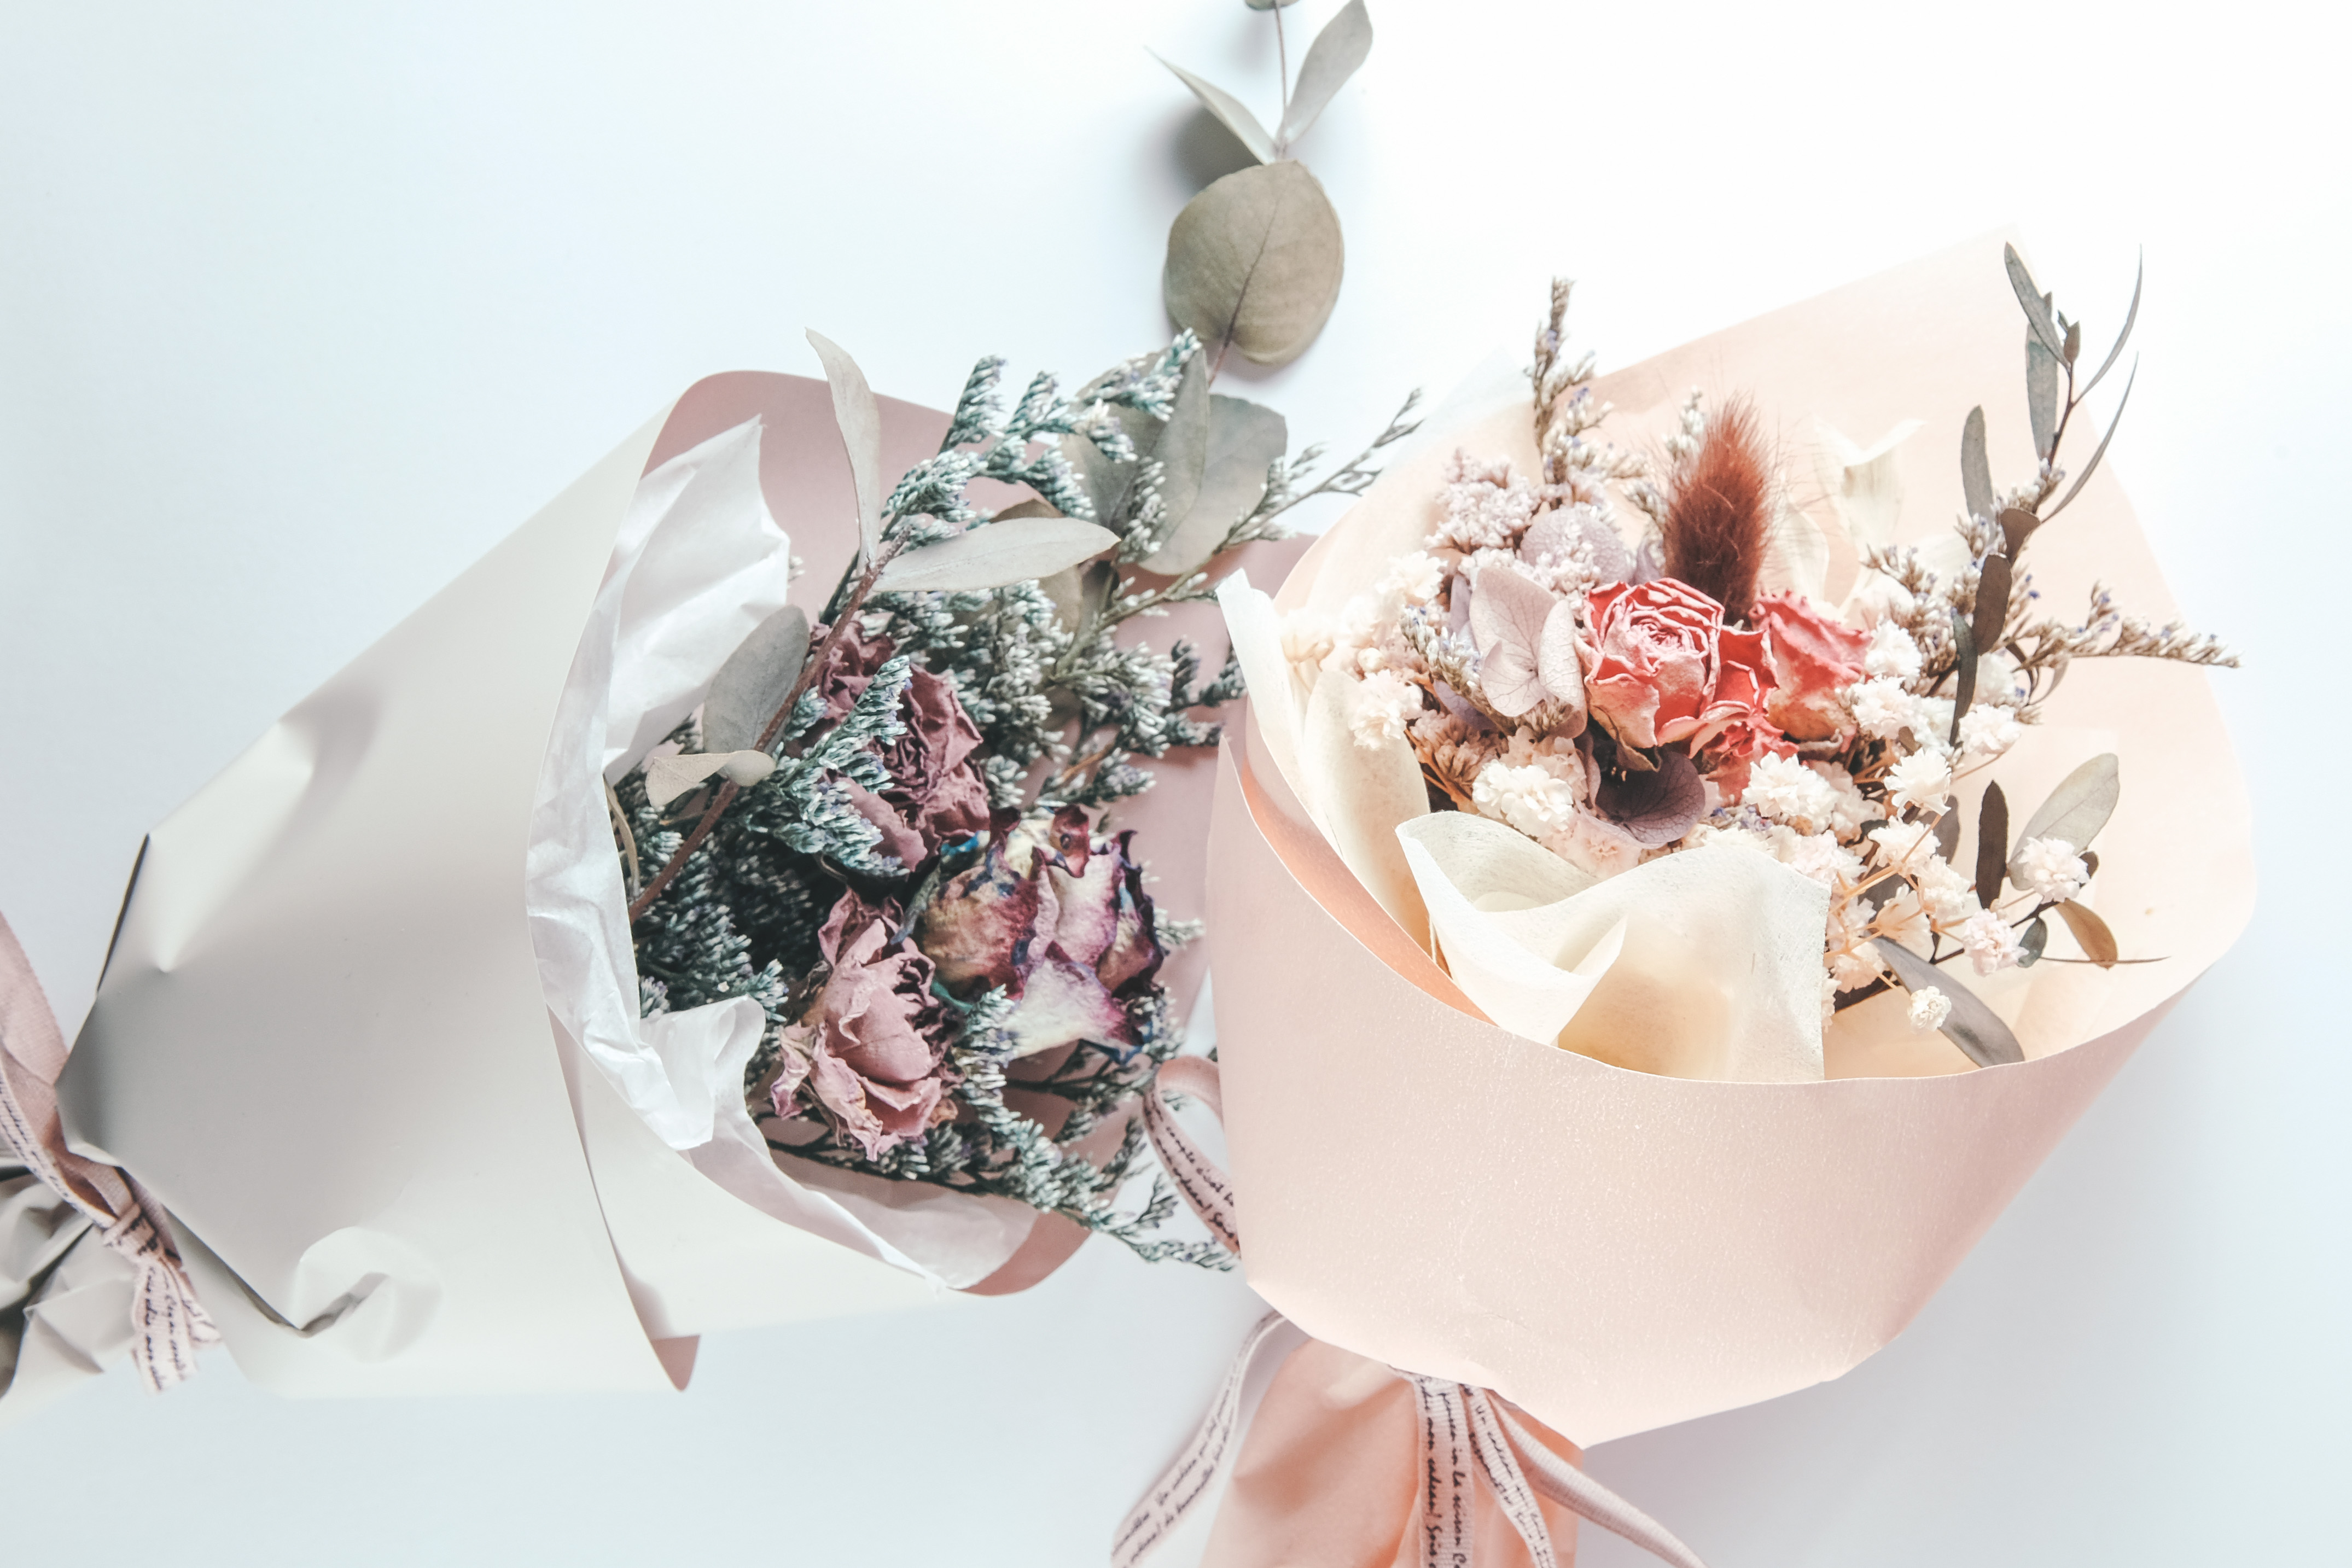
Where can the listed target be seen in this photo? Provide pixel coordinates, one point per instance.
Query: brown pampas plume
(1719, 510)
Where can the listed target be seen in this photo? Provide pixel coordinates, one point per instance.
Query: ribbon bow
(1465, 1434)
(168, 1324)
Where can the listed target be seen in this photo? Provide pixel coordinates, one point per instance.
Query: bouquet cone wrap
(357, 1032)
(1615, 1251)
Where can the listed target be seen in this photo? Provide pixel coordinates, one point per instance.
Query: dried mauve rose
(1061, 922)
(875, 1042)
(936, 795)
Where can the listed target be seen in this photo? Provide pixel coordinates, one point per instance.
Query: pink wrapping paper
(1326, 1477)
(1615, 1252)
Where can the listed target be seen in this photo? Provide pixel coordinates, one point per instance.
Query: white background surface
(302, 308)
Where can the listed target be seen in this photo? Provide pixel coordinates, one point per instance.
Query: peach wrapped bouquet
(1723, 861)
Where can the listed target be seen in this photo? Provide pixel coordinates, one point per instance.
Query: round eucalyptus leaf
(1267, 4)
(1256, 259)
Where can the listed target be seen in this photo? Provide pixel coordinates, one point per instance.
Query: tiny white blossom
(1414, 577)
(1930, 1009)
(1992, 945)
(1998, 681)
(2051, 870)
(1881, 707)
(1989, 729)
(1851, 811)
(1529, 798)
(1880, 597)
(1907, 846)
(1786, 789)
(1385, 703)
(1948, 897)
(1854, 963)
(1931, 720)
(1919, 780)
(1892, 654)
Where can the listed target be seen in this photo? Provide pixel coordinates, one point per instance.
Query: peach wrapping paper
(1326, 1477)
(322, 1041)
(1613, 1250)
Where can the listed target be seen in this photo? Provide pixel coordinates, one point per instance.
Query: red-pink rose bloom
(1660, 667)
(1813, 657)
(1064, 926)
(871, 1049)
(935, 794)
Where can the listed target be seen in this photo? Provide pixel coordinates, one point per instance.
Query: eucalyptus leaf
(1948, 835)
(1231, 112)
(754, 682)
(996, 554)
(2091, 934)
(2042, 394)
(1337, 50)
(2077, 809)
(1268, 4)
(2073, 342)
(1964, 656)
(1255, 260)
(860, 419)
(667, 778)
(2101, 450)
(2017, 525)
(1079, 593)
(1970, 1025)
(1976, 469)
(2034, 944)
(1244, 440)
(2139, 276)
(1992, 605)
(2037, 307)
(1183, 445)
(1992, 839)
(1104, 480)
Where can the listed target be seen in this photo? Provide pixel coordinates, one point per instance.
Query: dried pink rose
(936, 794)
(1813, 657)
(1660, 667)
(1061, 922)
(875, 1042)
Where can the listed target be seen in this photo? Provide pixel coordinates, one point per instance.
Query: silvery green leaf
(1108, 481)
(754, 682)
(2031, 946)
(1976, 470)
(1244, 439)
(2017, 525)
(2073, 342)
(1231, 112)
(2041, 394)
(1268, 4)
(2091, 934)
(2077, 809)
(1337, 50)
(1964, 655)
(1183, 445)
(860, 419)
(995, 554)
(1948, 835)
(1255, 260)
(1991, 617)
(2037, 307)
(667, 778)
(2130, 316)
(1971, 1025)
(1992, 839)
(1079, 593)
(2101, 450)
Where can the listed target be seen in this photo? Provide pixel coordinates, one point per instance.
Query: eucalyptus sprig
(1255, 261)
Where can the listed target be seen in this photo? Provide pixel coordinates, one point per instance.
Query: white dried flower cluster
(1385, 703)
(1992, 945)
(1919, 780)
(1930, 1009)
(1892, 654)
(1530, 798)
(1987, 730)
(1487, 506)
(2050, 869)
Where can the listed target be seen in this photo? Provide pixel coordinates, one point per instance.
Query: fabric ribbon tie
(1465, 1434)
(168, 1323)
